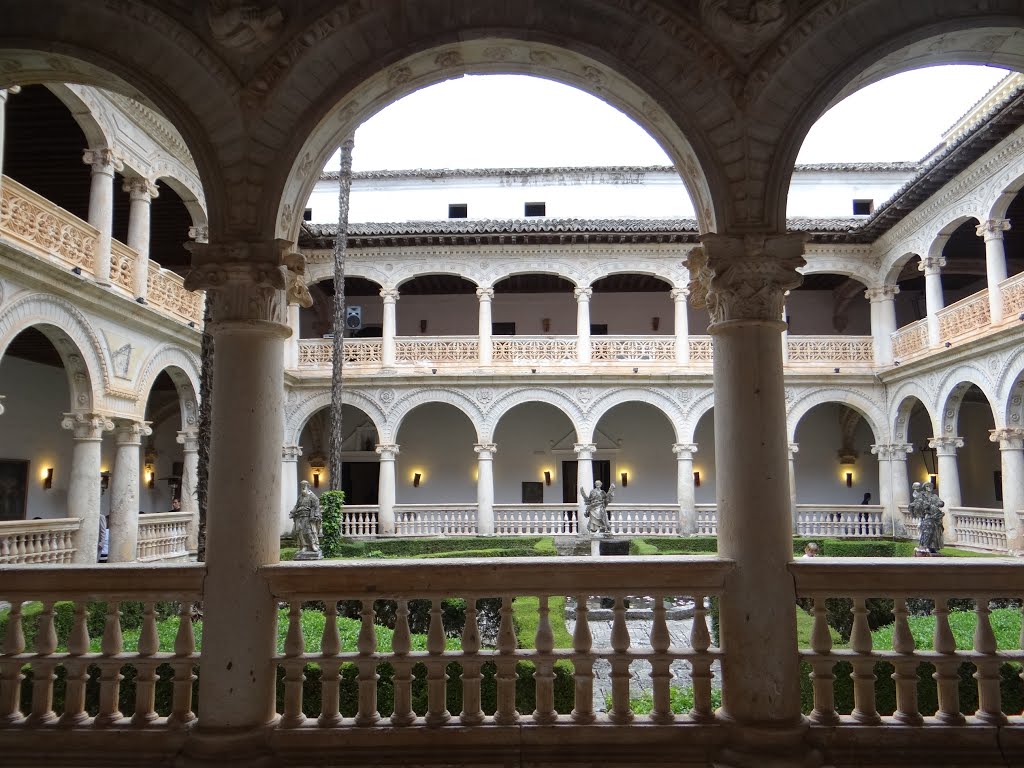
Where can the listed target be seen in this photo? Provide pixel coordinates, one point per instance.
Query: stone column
(583, 324)
(794, 449)
(684, 488)
(4, 93)
(949, 479)
(84, 483)
(486, 297)
(387, 342)
(885, 497)
(142, 192)
(761, 675)
(245, 284)
(883, 321)
(995, 263)
(289, 483)
(124, 490)
(899, 486)
(1011, 447)
(2, 404)
(101, 206)
(682, 324)
(584, 475)
(291, 347)
(386, 489)
(932, 268)
(485, 488)
(188, 439)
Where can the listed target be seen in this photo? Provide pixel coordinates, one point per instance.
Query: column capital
(102, 160)
(794, 448)
(189, 439)
(10, 90)
(291, 452)
(881, 293)
(584, 450)
(199, 233)
(485, 451)
(684, 450)
(87, 426)
(390, 295)
(679, 294)
(245, 282)
(892, 451)
(387, 451)
(1009, 438)
(945, 446)
(583, 294)
(931, 265)
(140, 189)
(485, 294)
(128, 432)
(749, 275)
(992, 229)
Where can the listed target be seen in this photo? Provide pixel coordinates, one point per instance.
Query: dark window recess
(535, 209)
(458, 210)
(599, 329)
(533, 493)
(503, 329)
(307, 215)
(863, 207)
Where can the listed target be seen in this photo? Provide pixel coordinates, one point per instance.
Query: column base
(768, 747)
(219, 747)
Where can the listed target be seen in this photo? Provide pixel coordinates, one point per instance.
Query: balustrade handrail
(8, 527)
(113, 581)
(840, 508)
(907, 577)
(978, 512)
(163, 518)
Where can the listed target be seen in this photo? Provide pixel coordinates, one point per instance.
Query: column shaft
(189, 440)
(1011, 449)
(682, 325)
(485, 488)
(900, 485)
(583, 325)
(883, 321)
(794, 448)
(124, 491)
(142, 192)
(291, 346)
(949, 480)
(84, 482)
(486, 297)
(932, 268)
(584, 476)
(386, 490)
(684, 488)
(289, 483)
(387, 342)
(101, 206)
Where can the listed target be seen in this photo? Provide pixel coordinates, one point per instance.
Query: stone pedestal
(612, 546)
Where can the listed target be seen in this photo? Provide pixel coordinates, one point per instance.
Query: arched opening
(704, 476)
(362, 299)
(914, 427)
(535, 304)
(978, 474)
(828, 304)
(170, 220)
(534, 462)
(643, 467)
(436, 305)
(436, 444)
(631, 304)
(162, 465)
(834, 464)
(360, 467)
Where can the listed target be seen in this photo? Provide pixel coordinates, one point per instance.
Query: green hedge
(332, 504)
(517, 547)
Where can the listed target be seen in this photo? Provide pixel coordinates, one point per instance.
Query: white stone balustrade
(632, 349)
(123, 264)
(437, 349)
(166, 291)
(49, 542)
(978, 528)
(436, 520)
(911, 340)
(535, 520)
(829, 350)
(967, 317)
(863, 521)
(1013, 297)
(163, 536)
(359, 520)
(644, 519)
(533, 349)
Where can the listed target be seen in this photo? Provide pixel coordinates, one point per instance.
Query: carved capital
(387, 451)
(485, 451)
(127, 432)
(291, 452)
(485, 294)
(10, 90)
(584, 450)
(679, 294)
(931, 265)
(87, 426)
(245, 282)
(892, 451)
(201, 233)
(750, 275)
(992, 229)
(189, 440)
(583, 294)
(794, 448)
(1009, 438)
(945, 446)
(390, 295)
(881, 293)
(102, 160)
(684, 450)
(142, 189)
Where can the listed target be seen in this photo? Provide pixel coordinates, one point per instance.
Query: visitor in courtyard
(812, 549)
(866, 499)
(175, 505)
(103, 543)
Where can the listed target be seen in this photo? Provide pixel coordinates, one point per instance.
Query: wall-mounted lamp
(423, 326)
(533, 370)
(433, 370)
(624, 477)
(48, 479)
(546, 324)
(696, 479)
(416, 480)
(316, 466)
(849, 479)
(151, 479)
(835, 370)
(104, 481)
(547, 477)
(636, 370)
(655, 323)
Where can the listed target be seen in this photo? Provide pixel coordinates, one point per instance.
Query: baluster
(10, 671)
(184, 647)
(110, 667)
(621, 713)
(505, 712)
(946, 678)
(437, 678)
(700, 641)
(330, 669)
(990, 708)
(544, 675)
(822, 679)
(367, 664)
(472, 713)
(76, 670)
(661, 672)
(294, 647)
(583, 665)
(145, 671)
(400, 644)
(43, 669)
(905, 675)
(863, 668)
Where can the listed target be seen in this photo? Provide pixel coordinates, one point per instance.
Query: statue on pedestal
(597, 502)
(926, 505)
(308, 523)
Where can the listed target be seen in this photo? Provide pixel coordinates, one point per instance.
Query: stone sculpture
(926, 505)
(308, 523)
(597, 502)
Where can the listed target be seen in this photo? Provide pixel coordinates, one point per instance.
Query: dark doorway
(503, 329)
(602, 469)
(533, 492)
(599, 329)
(359, 482)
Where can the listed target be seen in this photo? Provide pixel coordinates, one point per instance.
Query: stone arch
(701, 405)
(461, 401)
(72, 335)
(664, 404)
(853, 267)
(319, 134)
(550, 396)
(673, 278)
(955, 385)
(183, 368)
(907, 395)
(187, 189)
(953, 221)
(1005, 187)
(1011, 391)
(97, 130)
(867, 408)
(299, 412)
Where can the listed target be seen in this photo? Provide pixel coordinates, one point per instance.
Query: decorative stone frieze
(245, 282)
(751, 274)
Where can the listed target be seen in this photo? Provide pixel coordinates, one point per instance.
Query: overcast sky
(501, 121)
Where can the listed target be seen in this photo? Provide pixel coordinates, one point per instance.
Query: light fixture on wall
(624, 477)
(48, 479)
(930, 461)
(150, 469)
(545, 323)
(655, 323)
(849, 479)
(547, 477)
(416, 480)
(423, 326)
(696, 479)
(316, 466)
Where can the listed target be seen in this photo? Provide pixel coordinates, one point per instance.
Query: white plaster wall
(820, 478)
(810, 313)
(524, 437)
(704, 459)
(437, 441)
(645, 438)
(979, 457)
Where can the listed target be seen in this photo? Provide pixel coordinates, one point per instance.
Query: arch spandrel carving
(616, 396)
(563, 400)
(860, 400)
(184, 369)
(902, 403)
(952, 389)
(302, 405)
